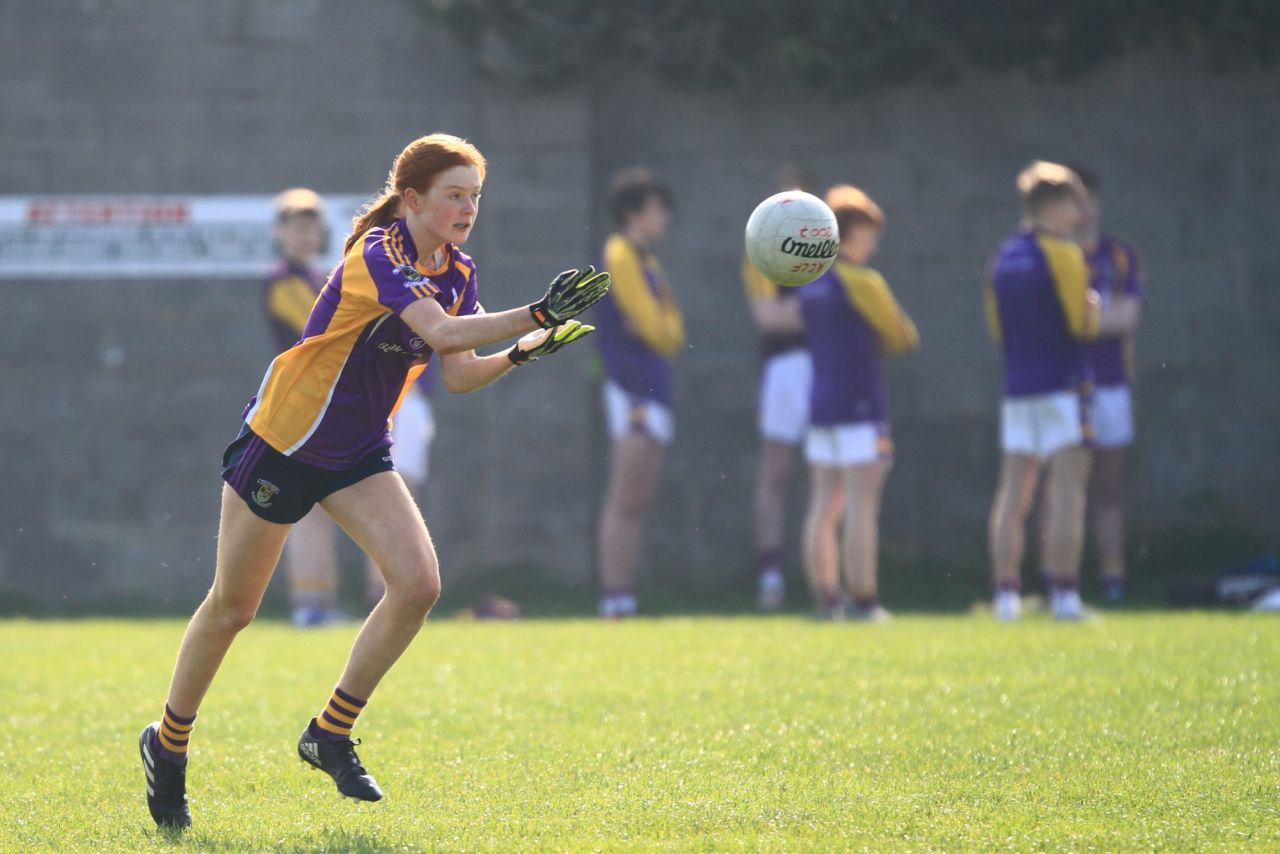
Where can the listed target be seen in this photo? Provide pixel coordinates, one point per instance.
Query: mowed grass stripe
(1136, 731)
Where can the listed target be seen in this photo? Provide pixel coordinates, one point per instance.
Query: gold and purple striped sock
(175, 732)
(339, 715)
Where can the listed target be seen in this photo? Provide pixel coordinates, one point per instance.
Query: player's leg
(1106, 498)
(785, 382)
(860, 540)
(635, 465)
(1007, 529)
(310, 559)
(770, 506)
(821, 541)
(248, 549)
(380, 515)
(413, 430)
(1043, 513)
(1113, 430)
(1068, 474)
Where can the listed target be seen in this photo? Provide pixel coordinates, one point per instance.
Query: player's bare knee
(418, 591)
(231, 613)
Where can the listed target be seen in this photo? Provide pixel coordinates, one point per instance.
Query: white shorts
(785, 381)
(627, 413)
(1039, 425)
(1112, 417)
(413, 428)
(848, 444)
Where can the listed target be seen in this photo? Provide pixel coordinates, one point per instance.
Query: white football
(792, 238)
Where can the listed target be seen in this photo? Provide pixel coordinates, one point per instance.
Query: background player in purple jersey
(641, 330)
(1115, 273)
(852, 323)
(316, 432)
(786, 373)
(310, 552)
(1040, 308)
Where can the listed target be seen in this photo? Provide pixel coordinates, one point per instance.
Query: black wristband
(538, 311)
(517, 356)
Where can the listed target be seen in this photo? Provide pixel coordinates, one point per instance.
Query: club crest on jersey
(412, 276)
(265, 493)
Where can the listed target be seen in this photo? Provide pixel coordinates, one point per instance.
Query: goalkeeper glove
(571, 293)
(541, 343)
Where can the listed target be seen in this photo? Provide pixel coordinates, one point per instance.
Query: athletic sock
(618, 602)
(338, 716)
(1047, 579)
(1113, 587)
(769, 561)
(174, 735)
(1009, 587)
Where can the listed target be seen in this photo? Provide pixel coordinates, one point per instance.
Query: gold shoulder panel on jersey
(1070, 274)
(869, 294)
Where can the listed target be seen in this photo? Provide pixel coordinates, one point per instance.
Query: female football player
(310, 552)
(786, 373)
(852, 323)
(316, 433)
(640, 331)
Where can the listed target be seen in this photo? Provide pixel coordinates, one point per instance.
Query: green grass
(1141, 731)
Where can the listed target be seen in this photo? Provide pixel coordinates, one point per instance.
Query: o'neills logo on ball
(810, 248)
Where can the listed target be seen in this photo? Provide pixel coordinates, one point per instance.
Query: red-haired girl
(316, 433)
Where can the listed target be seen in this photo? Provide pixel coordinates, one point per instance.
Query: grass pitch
(1144, 731)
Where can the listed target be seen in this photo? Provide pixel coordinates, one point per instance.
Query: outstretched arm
(464, 372)
(570, 293)
(447, 334)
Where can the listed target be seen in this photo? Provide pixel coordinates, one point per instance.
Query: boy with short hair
(1041, 308)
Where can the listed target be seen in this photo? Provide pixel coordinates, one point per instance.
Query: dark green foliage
(844, 45)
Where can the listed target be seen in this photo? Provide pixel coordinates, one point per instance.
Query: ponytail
(382, 211)
(416, 166)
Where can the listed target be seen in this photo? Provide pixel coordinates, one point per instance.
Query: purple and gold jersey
(290, 292)
(1040, 308)
(327, 399)
(639, 326)
(1113, 272)
(759, 287)
(852, 322)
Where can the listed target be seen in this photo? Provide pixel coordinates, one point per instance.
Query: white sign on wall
(113, 237)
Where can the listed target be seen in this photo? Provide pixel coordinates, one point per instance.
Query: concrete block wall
(120, 395)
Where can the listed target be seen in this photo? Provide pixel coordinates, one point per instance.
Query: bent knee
(231, 614)
(419, 591)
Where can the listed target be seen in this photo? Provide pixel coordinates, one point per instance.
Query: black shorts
(283, 490)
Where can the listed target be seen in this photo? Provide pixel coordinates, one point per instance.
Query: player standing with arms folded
(641, 330)
(852, 323)
(1041, 309)
(786, 374)
(316, 432)
(1115, 273)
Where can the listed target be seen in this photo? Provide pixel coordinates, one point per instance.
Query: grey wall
(118, 397)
